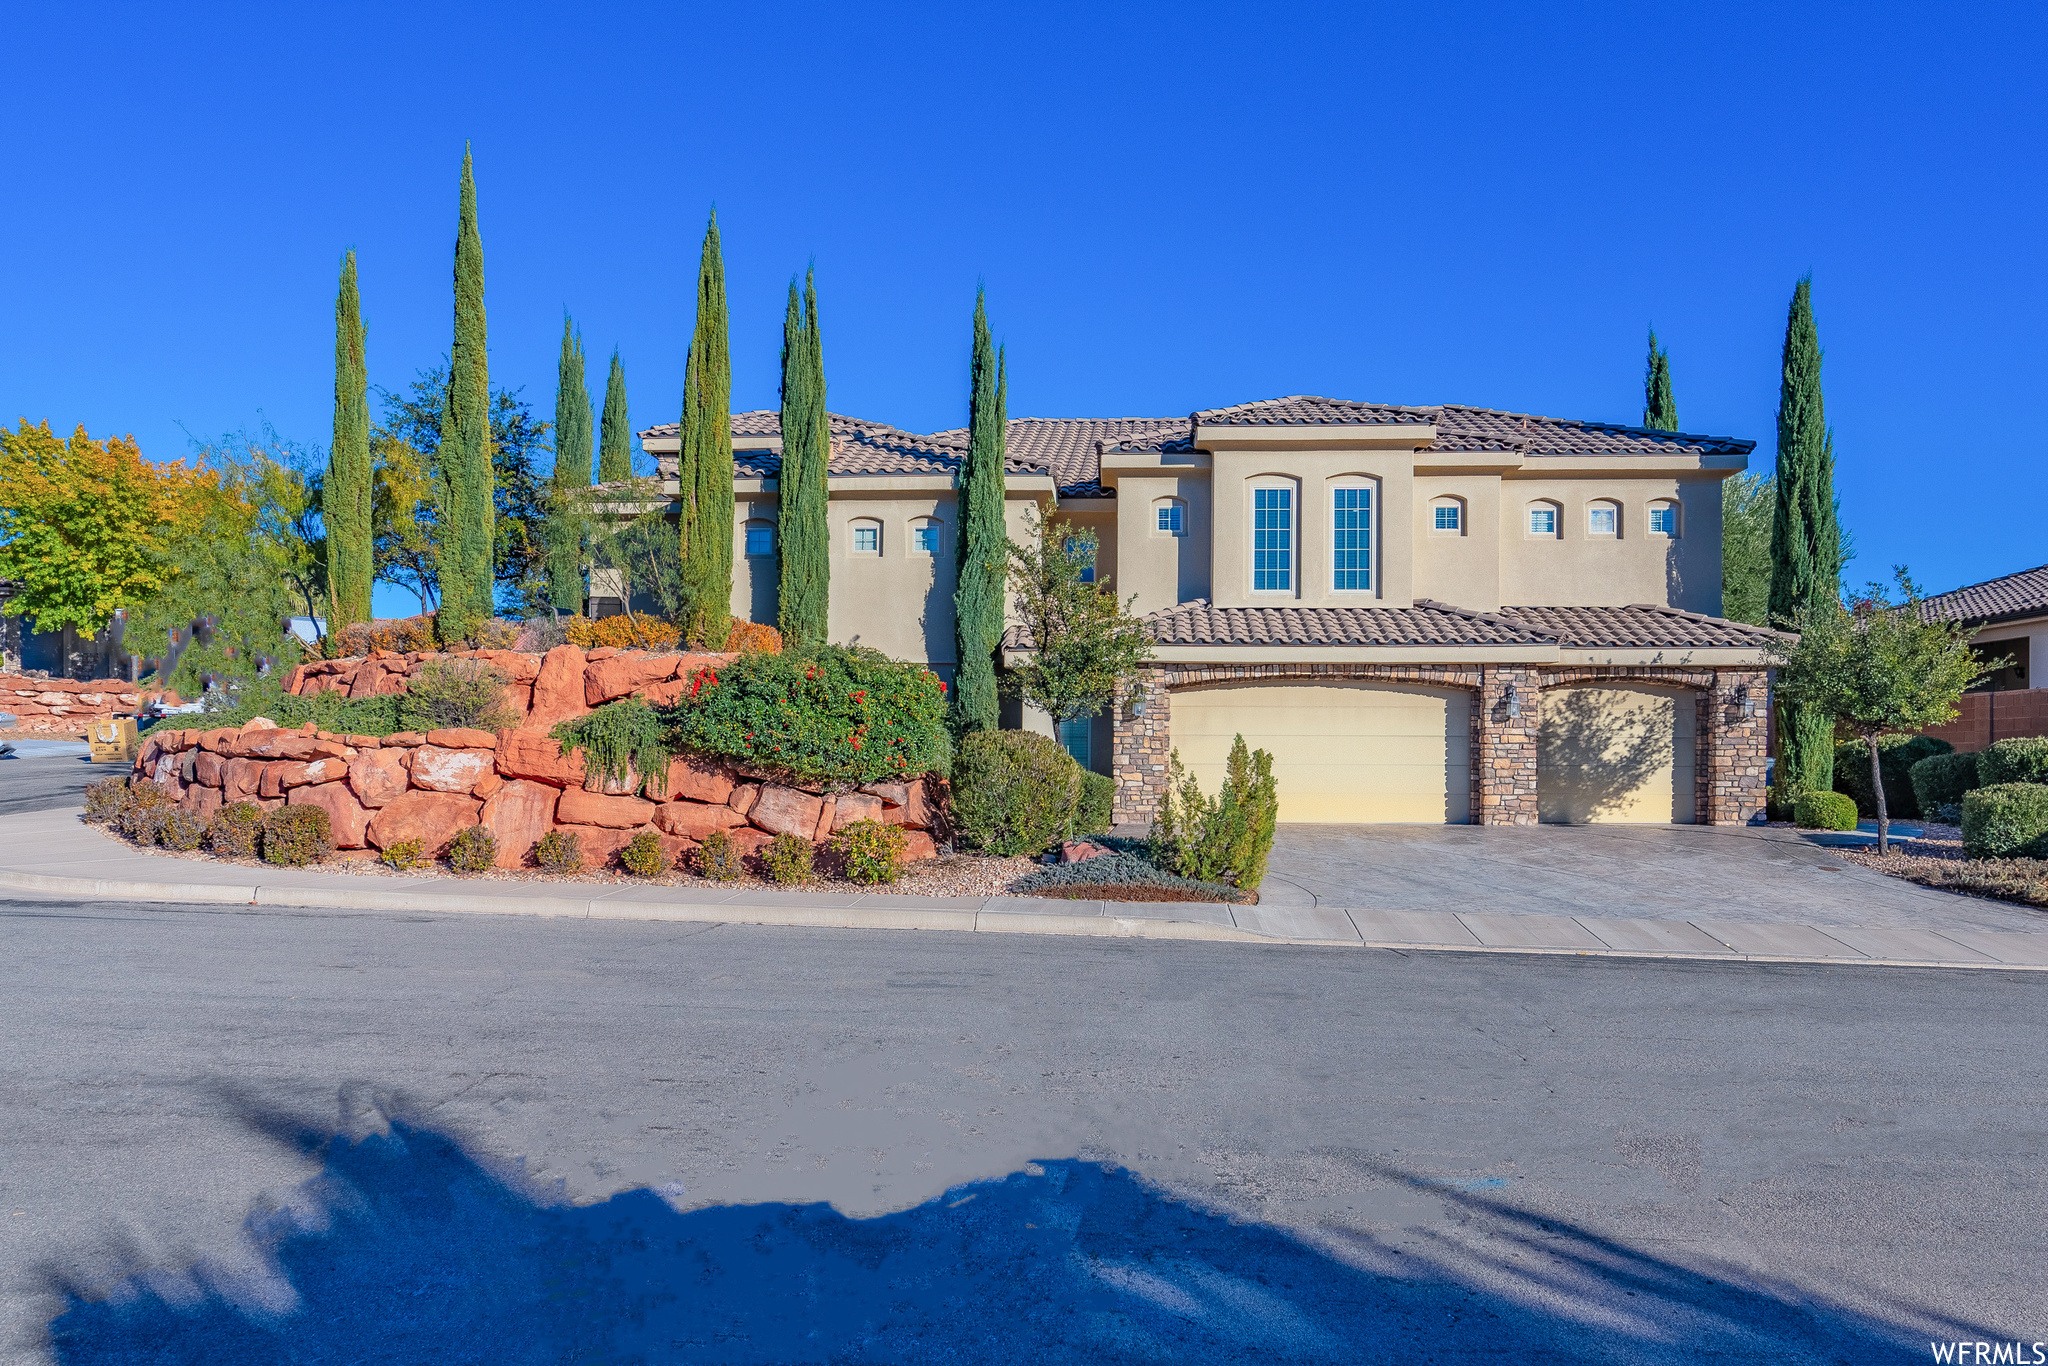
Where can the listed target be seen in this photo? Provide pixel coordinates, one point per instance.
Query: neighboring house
(2008, 619)
(1442, 614)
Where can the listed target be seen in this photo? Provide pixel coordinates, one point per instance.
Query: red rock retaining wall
(67, 706)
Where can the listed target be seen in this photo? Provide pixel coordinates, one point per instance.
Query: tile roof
(1307, 410)
(858, 447)
(1072, 446)
(2023, 594)
(1638, 626)
(1566, 436)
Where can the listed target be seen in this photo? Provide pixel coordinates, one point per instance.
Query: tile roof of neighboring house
(2023, 594)
(1637, 626)
(858, 447)
(1072, 446)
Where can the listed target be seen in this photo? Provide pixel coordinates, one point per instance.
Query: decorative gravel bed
(1935, 858)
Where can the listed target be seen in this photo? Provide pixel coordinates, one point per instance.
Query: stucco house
(1426, 614)
(2008, 620)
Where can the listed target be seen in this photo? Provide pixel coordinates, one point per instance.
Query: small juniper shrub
(789, 860)
(559, 851)
(870, 851)
(644, 855)
(446, 693)
(473, 850)
(181, 830)
(718, 858)
(297, 835)
(103, 800)
(1825, 810)
(1227, 838)
(404, 855)
(235, 830)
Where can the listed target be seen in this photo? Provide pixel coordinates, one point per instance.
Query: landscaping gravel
(1935, 858)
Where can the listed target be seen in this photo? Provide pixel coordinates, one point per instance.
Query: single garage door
(1617, 752)
(1341, 751)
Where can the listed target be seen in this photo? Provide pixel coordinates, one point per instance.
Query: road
(46, 781)
(323, 1138)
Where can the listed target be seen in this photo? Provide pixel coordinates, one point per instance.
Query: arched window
(1351, 504)
(1275, 507)
(1169, 517)
(1603, 518)
(1447, 516)
(1545, 521)
(866, 537)
(927, 536)
(760, 538)
(1664, 518)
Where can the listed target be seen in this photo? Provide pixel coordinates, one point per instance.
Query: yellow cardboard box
(113, 740)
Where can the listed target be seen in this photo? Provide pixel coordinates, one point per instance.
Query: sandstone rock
(558, 688)
(462, 737)
(917, 846)
(286, 744)
(486, 785)
(520, 668)
(377, 776)
(743, 797)
(892, 794)
(405, 739)
(391, 682)
(219, 741)
(209, 769)
(240, 779)
(698, 781)
(695, 820)
(433, 818)
(534, 754)
(602, 652)
(519, 701)
(365, 680)
(519, 813)
(201, 801)
(786, 811)
(1080, 851)
(578, 807)
(345, 815)
(600, 846)
(448, 770)
(271, 781)
(855, 806)
(297, 678)
(362, 742)
(749, 841)
(282, 777)
(620, 676)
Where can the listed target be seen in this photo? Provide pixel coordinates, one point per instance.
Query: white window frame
(1175, 509)
(1447, 502)
(1544, 507)
(1291, 567)
(937, 529)
(1613, 511)
(853, 531)
(1370, 489)
(1669, 506)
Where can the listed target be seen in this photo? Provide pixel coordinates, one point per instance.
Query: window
(1603, 519)
(1078, 549)
(1352, 546)
(1272, 540)
(867, 538)
(1447, 518)
(1074, 736)
(1663, 519)
(1170, 523)
(924, 537)
(760, 538)
(1543, 520)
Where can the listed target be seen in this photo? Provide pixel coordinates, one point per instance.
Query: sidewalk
(53, 854)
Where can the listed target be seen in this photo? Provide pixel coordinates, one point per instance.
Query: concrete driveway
(1660, 872)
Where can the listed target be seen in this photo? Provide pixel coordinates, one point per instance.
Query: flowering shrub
(405, 855)
(834, 715)
(628, 631)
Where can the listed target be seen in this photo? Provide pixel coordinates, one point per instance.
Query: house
(2008, 621)
(1426, 614)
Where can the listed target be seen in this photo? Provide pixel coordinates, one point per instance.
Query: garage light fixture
(1745, 701)
(1514, 703)
(1138, 705)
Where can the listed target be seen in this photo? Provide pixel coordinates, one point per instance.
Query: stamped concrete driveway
(1655, 872)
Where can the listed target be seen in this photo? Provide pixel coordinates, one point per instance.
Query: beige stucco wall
(1313, 474)
(1460, 567)
(1162, 570)
(1576, 568)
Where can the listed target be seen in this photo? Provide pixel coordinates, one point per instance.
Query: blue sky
(1173, 207)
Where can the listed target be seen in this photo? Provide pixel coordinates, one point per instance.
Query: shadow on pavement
(407, 1249)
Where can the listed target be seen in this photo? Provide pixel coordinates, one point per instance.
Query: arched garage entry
(1617, 752)
(1343, 750)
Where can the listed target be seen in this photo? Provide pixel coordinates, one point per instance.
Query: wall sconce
(1514, 701)
(1745, 701)
(1138, 705)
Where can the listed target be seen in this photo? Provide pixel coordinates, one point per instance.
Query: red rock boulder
(518, 814)
(433, 818)
(695, 820)
(537, 755)
(449, 770)
(345, 815)
(578, 807)
(558, 688)
(786, 811)
(377, 776)
(622, 675)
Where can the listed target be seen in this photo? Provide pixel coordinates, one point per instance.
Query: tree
(1085, 645)
(804, 540)
(348, 492)
(1879, 667)
(983, 545)
(706, 463)
(615, 452)
(572, 472)
(465, 515)
(1806, 540)
(1660, 410)
(1749, 503)
(87, 527)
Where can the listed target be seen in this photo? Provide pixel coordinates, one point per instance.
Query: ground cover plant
(619, 740)
(1122, 876)
(405, 855)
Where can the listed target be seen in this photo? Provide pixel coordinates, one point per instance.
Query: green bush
(1120, 869)
(1098, 804)
(559, 851)
(644, 855)
(789, 860)
(1940, 780)
(619, 739)
(143, 808)
(446, 693)
(236, 830)
(2014, 761)
(830, 716)
(181, 830)
(871, 851)
(718, 858)
(473, 850)
(328, 711)
(405, 855)
(1896, 755)
(1014, 792)
(297, 835)
(103, 800)
(1824, 811)
(2009, 820)
(1228, 838)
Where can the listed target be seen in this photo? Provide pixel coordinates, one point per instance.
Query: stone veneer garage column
(1141, 747)
(1735, 747)
(1504, 747)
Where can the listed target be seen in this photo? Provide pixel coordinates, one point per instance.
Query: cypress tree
(706, 464)
(572, 473)
(1660, 410)
(984, 549)
(465, 560)
(1806, 539)
(804, 540)
(345, 496)
(615, 448)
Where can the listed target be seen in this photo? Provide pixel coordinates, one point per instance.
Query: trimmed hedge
(1014, 791)
(1896, 755)
(2014, 761)
(1940, 781)
(2009, 820)
(1824, 811)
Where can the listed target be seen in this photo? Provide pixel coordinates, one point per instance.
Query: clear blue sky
(1174, 207)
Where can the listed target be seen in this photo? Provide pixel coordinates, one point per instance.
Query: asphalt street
(250, 1136)
(42, 781)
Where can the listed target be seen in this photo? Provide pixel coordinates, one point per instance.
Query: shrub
(619, 739)
(1014, 792)
(1824, 811)
(103, 800)
(405, 635)
(1896, 755)
(789, 860)
(871, 851)
(627, 631)
(1121, 869)
(1227, 839)
(494, 633)
(297, 835)
(834, 715)
(2014, 761)
(2009, 820)
(718, 858)
(644, 855)
(559, 851)
(1939, 782)
(405, 855)
(143, 808)
(235, 830)
(538, 635)
(181, 830)
(1098, 804)
(748, 636)
(473, 850)
(329, 711)
(445, 693)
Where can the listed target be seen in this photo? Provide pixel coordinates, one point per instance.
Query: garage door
(1619, 752)
(1341, 751)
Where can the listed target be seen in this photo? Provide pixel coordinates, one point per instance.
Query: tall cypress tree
(984, 550)
(706, 463)
(345, 496)
(465, 559)
(572, 474)
(1660, 410)
(805, 540)
(1806, 538)
(615, 446)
